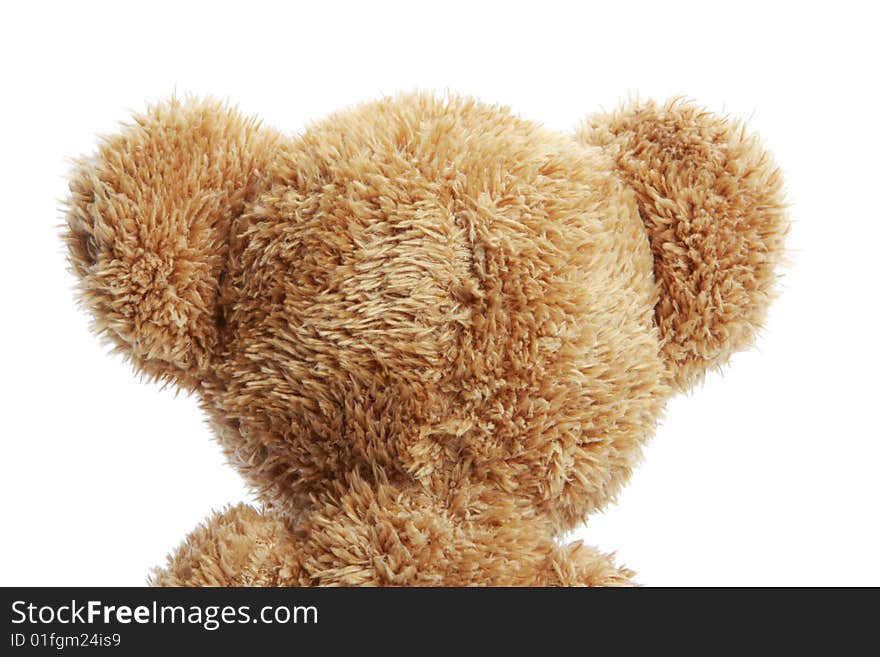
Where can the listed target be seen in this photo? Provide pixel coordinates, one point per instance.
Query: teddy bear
(432, 336)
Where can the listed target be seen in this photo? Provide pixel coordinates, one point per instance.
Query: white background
(768, 474)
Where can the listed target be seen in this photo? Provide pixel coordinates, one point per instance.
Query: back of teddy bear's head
(148, 224)
(430, 292)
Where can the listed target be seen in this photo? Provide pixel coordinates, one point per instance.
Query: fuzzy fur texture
(431, 335)
(711, 199)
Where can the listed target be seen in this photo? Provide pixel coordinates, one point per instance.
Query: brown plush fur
(375, 536)
(433, 336)
(711, 200)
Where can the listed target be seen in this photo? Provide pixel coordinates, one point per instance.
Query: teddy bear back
(427, 293)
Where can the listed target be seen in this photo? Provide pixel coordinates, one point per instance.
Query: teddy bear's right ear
(147, 228)
(712, 203)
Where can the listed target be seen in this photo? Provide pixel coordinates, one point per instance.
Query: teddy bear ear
(147, 228)
(711, 200)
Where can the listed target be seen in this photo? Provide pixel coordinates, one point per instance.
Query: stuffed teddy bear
(432, 336)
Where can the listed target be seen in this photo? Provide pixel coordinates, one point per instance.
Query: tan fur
(433, 336)
(711, 198)
(379, 537)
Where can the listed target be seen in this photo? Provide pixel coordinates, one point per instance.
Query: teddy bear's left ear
(711, 200)
(148, 222)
